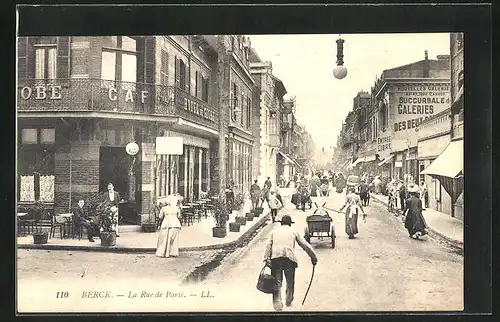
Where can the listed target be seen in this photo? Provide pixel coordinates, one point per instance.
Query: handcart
(320, 225)
(324, 190)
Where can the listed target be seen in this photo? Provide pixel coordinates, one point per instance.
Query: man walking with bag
(280, 256)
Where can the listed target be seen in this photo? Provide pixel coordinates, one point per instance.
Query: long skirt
(351, 224)
(168, 242)
(415, 222)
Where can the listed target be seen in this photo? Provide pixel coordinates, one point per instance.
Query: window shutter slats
(63, 57)
(177, 72)
(150, 60)
(22, 60)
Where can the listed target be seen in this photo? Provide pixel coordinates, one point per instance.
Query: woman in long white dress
(168, 240)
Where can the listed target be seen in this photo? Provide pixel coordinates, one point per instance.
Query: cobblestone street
(381, 270)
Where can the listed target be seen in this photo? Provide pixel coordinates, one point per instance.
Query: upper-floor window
(204, 89)
(46, 58)
(460, 41)
(234, 101)
(119, 59)
(249, 112)
(182, 74)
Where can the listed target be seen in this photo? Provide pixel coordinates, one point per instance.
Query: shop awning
(370, 158)
(449, 163)
(386, 160)
(358, 160)
(289, 159)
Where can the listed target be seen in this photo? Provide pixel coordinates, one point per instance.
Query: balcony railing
(113, 96)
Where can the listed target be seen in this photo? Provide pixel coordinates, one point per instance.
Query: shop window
(29, 136)
(36, 173)
(119, 62)
(47, 136)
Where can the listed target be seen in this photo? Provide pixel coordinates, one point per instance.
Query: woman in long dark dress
(414, 221)
(354, 205)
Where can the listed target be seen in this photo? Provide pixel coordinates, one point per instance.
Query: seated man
(80, 218)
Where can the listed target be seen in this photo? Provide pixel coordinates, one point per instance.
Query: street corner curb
(112, 249)
(451, 241)
(148, 250)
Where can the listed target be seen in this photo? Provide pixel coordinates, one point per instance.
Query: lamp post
(340, 71)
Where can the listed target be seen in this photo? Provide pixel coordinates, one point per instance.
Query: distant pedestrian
(402, 196)
(414, 221)
(255, 194)
(280, 257)
(168, 239)
(274, 204)
(268, 183)
(354, 206)
(424, 196)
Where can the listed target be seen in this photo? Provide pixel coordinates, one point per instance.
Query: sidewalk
(195, 237)
(443, 225)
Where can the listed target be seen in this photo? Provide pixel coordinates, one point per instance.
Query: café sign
(182, 100)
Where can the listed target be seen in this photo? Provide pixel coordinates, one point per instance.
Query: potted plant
(238, 203)
(234, 227)
(151, 224)
(249, 215)
(221, 216)
(102, 212)
(36, 211)
(107, 223)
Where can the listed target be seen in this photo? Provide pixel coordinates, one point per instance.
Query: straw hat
(412, 188)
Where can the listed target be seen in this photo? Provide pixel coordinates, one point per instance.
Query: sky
(305, 64)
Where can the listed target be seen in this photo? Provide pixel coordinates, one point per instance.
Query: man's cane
(310, 282)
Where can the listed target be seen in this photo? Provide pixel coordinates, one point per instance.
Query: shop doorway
(114, 163)
(114, 166)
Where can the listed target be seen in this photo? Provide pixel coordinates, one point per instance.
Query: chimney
(426, 65)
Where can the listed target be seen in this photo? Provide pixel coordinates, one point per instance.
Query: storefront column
(200, 166)
(76, 174)
(208, 178)
(192, 156)
(186, 165)
(145, 192)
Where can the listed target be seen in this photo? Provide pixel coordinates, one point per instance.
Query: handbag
(267, 283)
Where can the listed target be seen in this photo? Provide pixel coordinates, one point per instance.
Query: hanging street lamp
(340, 71)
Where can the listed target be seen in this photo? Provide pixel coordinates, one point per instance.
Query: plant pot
(148, 228)
(219, 232)
(241, 220)
(108, 239)
(234, 227)
(40, 238)
(249, 216)
(255, 213)
(259, 210)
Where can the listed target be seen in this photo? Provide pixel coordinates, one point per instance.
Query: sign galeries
(415, 103)
(54, 92)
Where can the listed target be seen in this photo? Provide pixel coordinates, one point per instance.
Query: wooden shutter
(164, 68)
(187, 76)
(63, 57)
(200, 86)
(22, 57)
(177, 72)
(149, 70)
